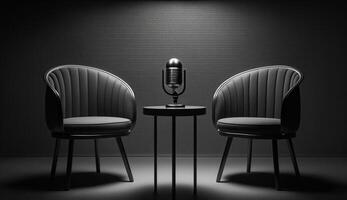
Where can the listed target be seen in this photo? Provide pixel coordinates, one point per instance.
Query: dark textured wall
(214, 40)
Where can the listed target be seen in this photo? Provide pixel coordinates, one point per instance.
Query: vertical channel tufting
(274, 94)
(279, 90)
(227, 94)
(113, 98)
(90, 99)
(246, 97)
(72, 93)
(239, 88)
(234, 95)
(222, 103)
(237, 105)
(50, 80)
(75, 92)
(261, 93)
(230, 102)
(86, 91)
(296, 79)
(101, 94)
(123, 95)
(292, 81)
(107, 99)
(109, 92)
(120, 100)
(271, 92)
(68, 95)
(258, 92)
(56, 82)
(98, 93)
(265, 93)
(104, 106)
(226, 106)
(63, 90)
(116, 99)
(256, 95)
(286, 84)
(83, 86)
(242, 97)
(86, 86)
(92, 92)
(79, 89)
(239, 95)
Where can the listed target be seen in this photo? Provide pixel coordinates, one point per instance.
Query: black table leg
(195, 155)
(155, 155)
(173, 157)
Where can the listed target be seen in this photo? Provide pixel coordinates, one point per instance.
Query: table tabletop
(162, 110)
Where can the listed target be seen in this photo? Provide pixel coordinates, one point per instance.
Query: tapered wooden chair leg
(125, 159)
(293, 157)
(249, 159)
(69, 164)
(55, 157)
(97, 159)
(224, 158)
(275, 162)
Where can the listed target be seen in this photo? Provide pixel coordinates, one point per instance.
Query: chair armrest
(290, 113)
(53, 110)
(131, 111)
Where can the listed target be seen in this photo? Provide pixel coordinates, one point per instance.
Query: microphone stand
(174, 94)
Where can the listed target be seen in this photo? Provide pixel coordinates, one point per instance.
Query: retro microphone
(174, 73)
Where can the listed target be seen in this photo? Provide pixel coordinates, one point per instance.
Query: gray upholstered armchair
(261, 103)
(87, 103)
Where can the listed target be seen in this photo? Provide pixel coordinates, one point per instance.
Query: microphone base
(175, 105)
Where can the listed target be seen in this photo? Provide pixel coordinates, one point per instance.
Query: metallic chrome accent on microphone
(174, 73)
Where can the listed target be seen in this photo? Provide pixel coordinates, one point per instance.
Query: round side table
(174, 112)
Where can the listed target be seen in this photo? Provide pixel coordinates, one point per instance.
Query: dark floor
(28, 178)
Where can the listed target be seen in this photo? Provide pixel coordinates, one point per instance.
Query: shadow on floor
(42, 182)
(288, 181)
(90, 180)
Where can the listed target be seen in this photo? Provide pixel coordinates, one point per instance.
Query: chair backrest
(260, 92)
(88, 91)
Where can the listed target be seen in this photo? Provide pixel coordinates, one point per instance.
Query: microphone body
(173, 79)
(173, 73)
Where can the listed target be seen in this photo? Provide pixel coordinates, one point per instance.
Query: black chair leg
(293, 157)
(55, 157)
(275, 162)
(97, 159)
(125, 159)
(249, 160)
(69, 164)
(224, 158)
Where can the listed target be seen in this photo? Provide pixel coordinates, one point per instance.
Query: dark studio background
(133, 40)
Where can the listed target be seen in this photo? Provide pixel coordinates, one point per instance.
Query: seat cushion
(249, 125)
(96, 124)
